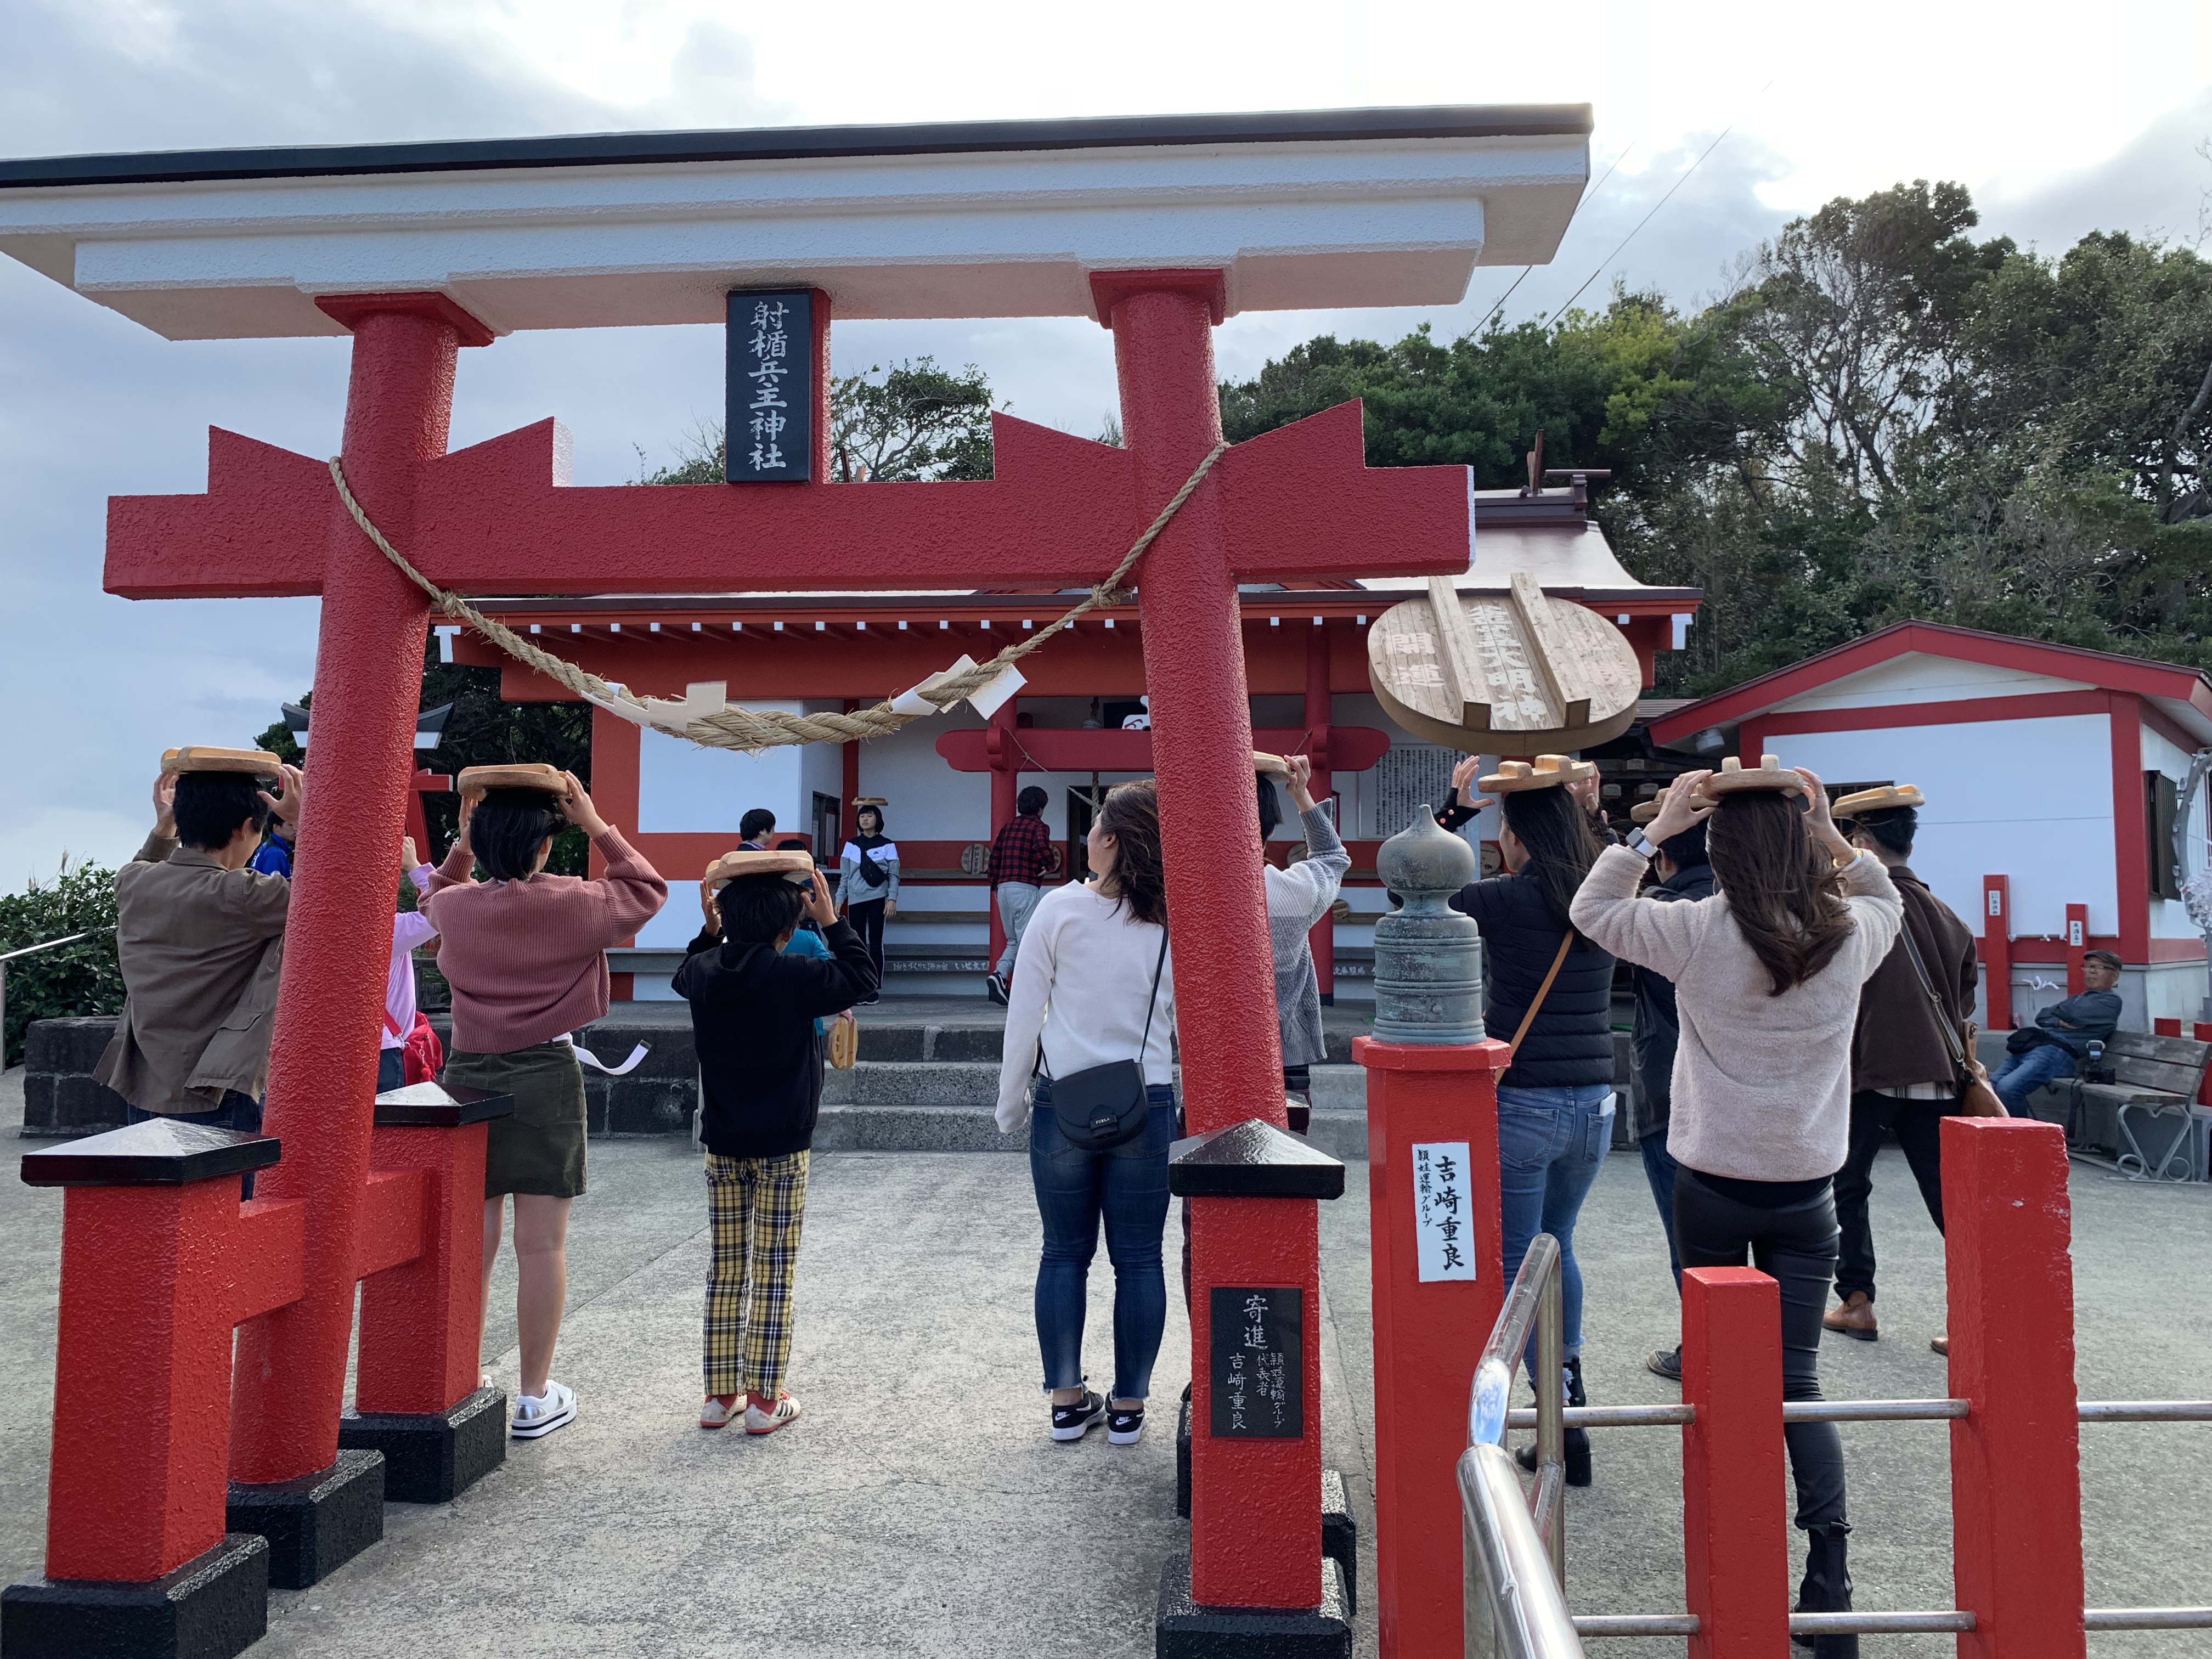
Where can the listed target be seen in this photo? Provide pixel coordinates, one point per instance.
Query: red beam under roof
(1083, 749)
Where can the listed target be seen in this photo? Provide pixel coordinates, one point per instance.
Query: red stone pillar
(2015, 1456)
(1736, 1533)
(1319, 707)
(1428, 1336)
(1255, 1504)
(292, 1363)
(1997, 951)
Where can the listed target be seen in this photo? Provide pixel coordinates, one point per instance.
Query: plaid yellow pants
(756, 1205)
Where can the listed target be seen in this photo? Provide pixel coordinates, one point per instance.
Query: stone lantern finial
(1428, 956)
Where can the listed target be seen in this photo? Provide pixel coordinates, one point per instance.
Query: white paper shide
(1443, 1248)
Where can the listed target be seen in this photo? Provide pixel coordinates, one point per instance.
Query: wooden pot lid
(535, 774)
(793, 864)
(871, 800)
(1734, 776)
(202, 757)
(1886, 798)
(1643, 812)
(1519, 670)
(1549, 772)
(1276, 764)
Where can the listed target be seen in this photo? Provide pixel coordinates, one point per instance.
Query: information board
(1258, 1370)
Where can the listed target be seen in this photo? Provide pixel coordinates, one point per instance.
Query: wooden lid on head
(201, 757)
(1548, 773)
(1643, 812)
(1889, 796)
(1734, 776)
(871, 800)
(1277, 765)
(535, 774)
(793, 865)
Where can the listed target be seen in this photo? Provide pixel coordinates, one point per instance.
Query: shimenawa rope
(752, 729)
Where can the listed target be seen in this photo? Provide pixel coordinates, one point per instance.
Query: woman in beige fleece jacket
(1767, 974)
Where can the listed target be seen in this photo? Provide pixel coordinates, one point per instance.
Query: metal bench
(2157, 1077)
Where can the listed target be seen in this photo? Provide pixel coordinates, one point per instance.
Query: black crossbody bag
(1102, 1107)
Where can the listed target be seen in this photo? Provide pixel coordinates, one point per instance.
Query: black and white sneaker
(1074, 1421)
(1124, 1428)
(995, 988)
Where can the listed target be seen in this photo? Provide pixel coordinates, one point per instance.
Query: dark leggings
(866, 916)
(1795, 1245)
(1918, 1127)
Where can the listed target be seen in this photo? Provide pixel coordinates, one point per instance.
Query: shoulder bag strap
(1951, 1039)
(1543, 990)
(1152, 1006)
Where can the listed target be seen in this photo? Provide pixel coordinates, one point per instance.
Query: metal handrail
(1513, 1609)
(70, 939)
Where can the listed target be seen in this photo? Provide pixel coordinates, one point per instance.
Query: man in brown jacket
(1904, 1079)
(201, 940)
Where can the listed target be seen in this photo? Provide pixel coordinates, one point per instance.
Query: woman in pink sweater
(524, 953)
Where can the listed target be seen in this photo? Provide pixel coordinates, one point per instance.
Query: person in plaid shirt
(1020, 854)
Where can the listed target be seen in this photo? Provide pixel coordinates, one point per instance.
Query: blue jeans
(238, 1111)
(1550, 1144)
(2022, 1074)
(1659, 1167)
(1126, 1189)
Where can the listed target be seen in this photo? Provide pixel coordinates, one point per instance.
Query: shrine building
(1076, 726)
(2055, 777)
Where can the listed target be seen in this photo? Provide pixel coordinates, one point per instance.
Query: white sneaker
(784, 1410)
(541, 1413)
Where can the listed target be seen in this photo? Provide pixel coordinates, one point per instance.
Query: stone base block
(317, 1524)
(1183, 1630)
(431, 1457)
(1340, 1536)
(213, 1606)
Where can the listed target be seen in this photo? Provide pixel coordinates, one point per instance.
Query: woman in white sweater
(1766, 974)
(1094, 985)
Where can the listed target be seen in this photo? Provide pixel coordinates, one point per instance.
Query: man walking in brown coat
(1904, 1079)
(200, 939)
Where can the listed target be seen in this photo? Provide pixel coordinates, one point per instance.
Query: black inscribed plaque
(772, 405)
(1258, 1381)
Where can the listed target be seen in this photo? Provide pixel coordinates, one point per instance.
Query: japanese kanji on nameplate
(772, 401)
(1440, 1214)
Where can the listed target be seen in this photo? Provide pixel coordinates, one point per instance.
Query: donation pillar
(1432, 1210)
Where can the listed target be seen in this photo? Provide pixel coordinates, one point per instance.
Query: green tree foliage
(1884, 419)
(71, 979)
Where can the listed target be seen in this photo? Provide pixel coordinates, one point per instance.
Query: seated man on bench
(2062, 1034)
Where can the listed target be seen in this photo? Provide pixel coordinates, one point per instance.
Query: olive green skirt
(540, 1148)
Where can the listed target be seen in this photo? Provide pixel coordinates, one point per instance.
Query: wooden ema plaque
(1503, 674)
(1259, 1384)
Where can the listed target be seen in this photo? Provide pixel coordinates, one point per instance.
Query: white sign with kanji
(1443, 1245)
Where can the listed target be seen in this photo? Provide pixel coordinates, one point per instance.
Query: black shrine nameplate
(771, 395)
(1258, 1381)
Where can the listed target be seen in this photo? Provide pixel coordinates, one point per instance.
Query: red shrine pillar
(1005, 777)
(1256, 1502)
(291, 1369)
(1319, 707)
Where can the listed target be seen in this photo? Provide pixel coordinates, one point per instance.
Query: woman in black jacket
(1549, 992)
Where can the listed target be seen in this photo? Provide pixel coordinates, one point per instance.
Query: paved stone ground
(919, 1509)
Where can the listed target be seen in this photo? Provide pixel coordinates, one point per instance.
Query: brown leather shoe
(1855, 1319)
(1940, 1344)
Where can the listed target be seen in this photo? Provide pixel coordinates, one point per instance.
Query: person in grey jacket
(2061, 1036)
(868, 880)
(1299, 897)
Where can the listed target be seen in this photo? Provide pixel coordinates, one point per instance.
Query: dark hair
(2107, 957)
(1891, 829)
(507, 828)
(1131, 814)
(1779, 883)
(795, 844)
(1689, 849)
(863, 811)
(210, 805)
(755, 823)
(1032, 799)
(1271, 807)
(759, 910)
(1562, 843)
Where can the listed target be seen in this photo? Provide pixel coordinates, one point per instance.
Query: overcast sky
(2085, 121)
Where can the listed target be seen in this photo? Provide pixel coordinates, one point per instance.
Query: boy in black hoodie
(753, 1010)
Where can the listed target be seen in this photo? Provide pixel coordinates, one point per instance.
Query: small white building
(2054, 777)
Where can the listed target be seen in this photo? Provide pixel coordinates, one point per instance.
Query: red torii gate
(1296, 502)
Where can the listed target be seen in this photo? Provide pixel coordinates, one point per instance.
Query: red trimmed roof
(2104, 669)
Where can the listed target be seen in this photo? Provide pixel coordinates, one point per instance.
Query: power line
(1496, 309)
(1644, 221)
